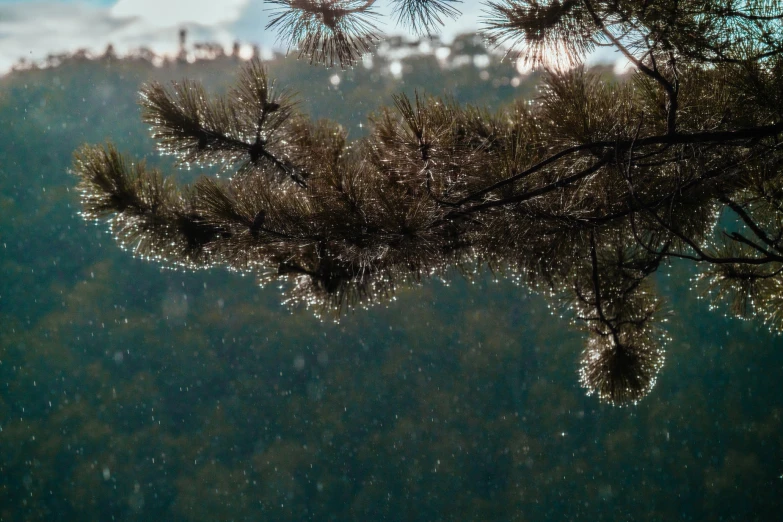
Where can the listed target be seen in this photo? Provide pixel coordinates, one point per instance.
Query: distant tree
(580, 194)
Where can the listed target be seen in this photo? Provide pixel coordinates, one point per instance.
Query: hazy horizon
(32, 30)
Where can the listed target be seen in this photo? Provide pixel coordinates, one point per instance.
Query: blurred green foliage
(128, 392)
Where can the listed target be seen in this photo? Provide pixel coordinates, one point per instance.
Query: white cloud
(35, 30)
(168, 13)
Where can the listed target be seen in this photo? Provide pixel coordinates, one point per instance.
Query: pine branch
(580, 194)
(541, 33)
(148, 214)
(326, 31)
(248, 126)
(424, 16)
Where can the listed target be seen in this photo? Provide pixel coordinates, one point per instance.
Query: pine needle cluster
(581, 194)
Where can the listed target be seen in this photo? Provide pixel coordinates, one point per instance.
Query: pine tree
(581, 194)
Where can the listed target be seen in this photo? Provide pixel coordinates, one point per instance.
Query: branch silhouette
(581, 193)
